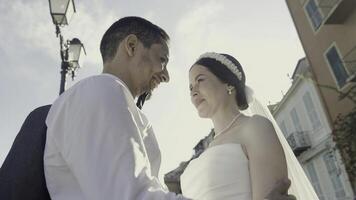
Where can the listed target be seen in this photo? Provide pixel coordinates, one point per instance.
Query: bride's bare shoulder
(259, 123)
(259, 128)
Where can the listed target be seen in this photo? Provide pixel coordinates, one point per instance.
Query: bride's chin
(202, 112)
(203, 115)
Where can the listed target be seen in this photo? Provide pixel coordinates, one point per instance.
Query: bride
(248, 153)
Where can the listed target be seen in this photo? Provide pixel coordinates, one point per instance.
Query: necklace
(228, 126)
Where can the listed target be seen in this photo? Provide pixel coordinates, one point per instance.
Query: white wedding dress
(215, 176)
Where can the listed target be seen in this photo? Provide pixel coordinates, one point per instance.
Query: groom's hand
(280, 191)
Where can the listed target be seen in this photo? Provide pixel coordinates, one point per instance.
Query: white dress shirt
(101, 146)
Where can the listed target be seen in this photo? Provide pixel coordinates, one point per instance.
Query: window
(314, 14)
(314, 180)
(312, 114)
(296, 121)
(337, 66)
(330, 163)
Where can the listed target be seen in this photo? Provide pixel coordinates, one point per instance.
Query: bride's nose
(194, 91)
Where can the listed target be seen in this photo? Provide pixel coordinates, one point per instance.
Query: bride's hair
(226, 76)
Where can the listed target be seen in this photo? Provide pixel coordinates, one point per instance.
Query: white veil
(301, 187)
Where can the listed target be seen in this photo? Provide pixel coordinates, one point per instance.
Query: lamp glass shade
(74, 50)
(61, 11)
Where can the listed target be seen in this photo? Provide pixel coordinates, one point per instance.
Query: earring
(229, 89)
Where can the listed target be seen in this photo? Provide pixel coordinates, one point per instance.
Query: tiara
(225, 61)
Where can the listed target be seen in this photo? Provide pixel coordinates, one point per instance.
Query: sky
(260, 34)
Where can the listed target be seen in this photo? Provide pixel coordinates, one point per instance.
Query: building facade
(303, 121)
(327, 31)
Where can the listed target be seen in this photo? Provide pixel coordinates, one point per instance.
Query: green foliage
(344, 135)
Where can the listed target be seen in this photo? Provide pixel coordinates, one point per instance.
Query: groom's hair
(147, 32)
(226, 76)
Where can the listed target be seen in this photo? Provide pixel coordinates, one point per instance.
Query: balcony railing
(299, 142)
(349, 61)
(336, 11)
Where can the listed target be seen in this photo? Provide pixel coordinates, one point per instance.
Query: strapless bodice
(220, 173)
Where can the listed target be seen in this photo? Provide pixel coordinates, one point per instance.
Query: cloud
(29, 52)
(28, 23)
(195, 26)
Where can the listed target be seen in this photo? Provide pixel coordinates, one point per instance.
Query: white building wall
(295, 100)
(321, 141)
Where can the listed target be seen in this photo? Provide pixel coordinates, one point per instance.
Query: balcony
(336, 11)
(299, 142)
(349, 61)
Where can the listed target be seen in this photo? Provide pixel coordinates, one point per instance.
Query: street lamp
(61, 12)
(70, 54)
(74, 49)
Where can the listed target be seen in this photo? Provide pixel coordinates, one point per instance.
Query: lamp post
(61, 12)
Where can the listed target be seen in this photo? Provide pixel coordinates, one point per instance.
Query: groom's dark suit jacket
(22, 173)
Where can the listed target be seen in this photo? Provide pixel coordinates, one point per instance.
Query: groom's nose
(164, 75)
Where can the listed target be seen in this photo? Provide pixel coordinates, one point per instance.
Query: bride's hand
(280, 191)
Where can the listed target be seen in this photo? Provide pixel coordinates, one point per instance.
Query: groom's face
(152, 67)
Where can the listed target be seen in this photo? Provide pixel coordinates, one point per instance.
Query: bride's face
(207, 92)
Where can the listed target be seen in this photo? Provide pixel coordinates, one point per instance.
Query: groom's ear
(130, 44)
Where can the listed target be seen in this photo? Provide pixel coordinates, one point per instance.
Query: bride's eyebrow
(199, 75)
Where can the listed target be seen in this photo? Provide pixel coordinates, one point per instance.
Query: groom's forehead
(165, 48)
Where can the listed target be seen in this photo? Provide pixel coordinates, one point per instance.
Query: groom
(99, 144)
